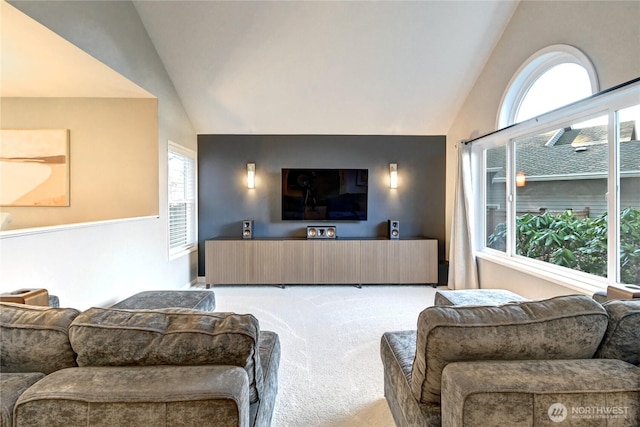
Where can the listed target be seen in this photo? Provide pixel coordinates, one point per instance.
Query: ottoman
(476, 297)
(204, 300)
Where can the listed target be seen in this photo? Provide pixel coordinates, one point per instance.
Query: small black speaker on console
(247, 229)
(394, 229)
(321, 232)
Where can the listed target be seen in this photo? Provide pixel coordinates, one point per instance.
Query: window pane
(561, 205)
(495, 198)
(559, 86)
(181, 193)
(628, 121)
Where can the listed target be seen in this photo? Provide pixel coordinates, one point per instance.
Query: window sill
(563, 278)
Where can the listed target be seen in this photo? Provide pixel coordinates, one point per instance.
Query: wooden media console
(233, 261)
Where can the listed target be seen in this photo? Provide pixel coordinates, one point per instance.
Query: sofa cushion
(35, 338)
(137, 396)
(171, 336)
(567, 327)
(622, 339)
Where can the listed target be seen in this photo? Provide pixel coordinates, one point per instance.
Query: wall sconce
(251, 175)
(521, 180)
(393, 175)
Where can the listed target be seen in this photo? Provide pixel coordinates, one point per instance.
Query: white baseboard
(191, 284)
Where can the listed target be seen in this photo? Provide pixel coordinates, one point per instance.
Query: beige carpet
(330, 371)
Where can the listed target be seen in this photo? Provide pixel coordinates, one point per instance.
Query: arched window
(551, 78)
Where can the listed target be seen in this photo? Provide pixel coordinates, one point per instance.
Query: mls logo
(557, 412)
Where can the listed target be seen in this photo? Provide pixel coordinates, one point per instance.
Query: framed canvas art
(34, 167)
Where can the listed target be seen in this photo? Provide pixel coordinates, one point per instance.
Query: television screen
(324, 194)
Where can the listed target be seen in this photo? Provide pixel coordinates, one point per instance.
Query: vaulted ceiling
(36, 62)
(335, 67)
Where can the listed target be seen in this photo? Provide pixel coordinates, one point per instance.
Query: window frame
(532, 69)
(605, 103)
(192, 224)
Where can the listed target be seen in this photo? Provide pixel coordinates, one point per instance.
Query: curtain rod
(595, 95)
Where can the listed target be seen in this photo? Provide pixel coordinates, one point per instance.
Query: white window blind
(182, 198)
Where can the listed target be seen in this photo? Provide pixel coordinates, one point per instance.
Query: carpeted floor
(330, 371)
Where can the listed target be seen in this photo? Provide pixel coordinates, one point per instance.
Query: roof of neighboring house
(568, 152)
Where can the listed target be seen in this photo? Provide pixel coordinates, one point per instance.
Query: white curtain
(463, 271)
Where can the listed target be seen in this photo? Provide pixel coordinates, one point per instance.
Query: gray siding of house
(557, 196)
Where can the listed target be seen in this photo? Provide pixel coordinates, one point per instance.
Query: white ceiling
(291, 67)
(327, 67)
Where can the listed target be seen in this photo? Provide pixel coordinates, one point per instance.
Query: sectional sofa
(561, 360)
(115, 367)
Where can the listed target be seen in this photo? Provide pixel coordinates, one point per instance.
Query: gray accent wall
(224, 200)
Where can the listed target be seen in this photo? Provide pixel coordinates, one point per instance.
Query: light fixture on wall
(521, 180)
(251, 175)
(393, 175)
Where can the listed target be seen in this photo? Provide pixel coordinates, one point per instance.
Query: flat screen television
(324, 194)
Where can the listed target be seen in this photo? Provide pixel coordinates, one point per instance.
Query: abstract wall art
(34, 167)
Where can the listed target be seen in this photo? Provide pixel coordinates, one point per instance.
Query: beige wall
(99, 264)
(607, 32)
(113, 156)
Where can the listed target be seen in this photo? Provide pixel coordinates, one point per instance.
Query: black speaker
(321, 232)
(247, 229)
(443, 273)
(394, 229)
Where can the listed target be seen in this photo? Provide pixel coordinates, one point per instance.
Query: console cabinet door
(225, 262)
(263, 262)
(339, 261)
(417, 261)
(376, 262)
(298, 262)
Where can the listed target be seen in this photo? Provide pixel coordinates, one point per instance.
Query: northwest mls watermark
(559, 412)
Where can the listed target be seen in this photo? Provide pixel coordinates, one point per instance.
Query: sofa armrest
(12, 385)
(533, 392)
(137, 395)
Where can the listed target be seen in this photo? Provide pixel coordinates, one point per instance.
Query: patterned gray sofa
(526, 363)
(115, 367)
